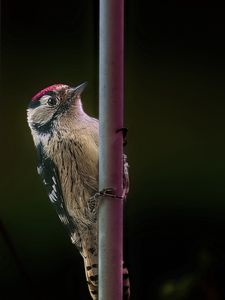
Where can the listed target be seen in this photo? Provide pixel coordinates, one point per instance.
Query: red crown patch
(48, 89)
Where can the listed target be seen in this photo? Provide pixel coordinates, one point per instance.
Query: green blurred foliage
(174, 110)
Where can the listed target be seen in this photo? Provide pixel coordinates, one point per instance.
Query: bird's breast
(77, 165)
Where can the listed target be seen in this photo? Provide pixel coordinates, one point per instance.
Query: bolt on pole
(111, 76)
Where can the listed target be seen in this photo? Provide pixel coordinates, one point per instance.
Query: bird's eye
(52, 101)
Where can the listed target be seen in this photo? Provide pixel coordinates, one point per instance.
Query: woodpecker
(67, 142)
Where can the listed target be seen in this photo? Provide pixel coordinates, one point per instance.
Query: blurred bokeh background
(174, 110)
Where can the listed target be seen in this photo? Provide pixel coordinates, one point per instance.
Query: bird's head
(52, 104)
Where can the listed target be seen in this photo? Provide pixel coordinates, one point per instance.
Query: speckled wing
(49, 174)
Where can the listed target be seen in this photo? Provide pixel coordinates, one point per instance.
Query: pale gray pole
(111, 148)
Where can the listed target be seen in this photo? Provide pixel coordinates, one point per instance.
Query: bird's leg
(106, 192)
(93, 202)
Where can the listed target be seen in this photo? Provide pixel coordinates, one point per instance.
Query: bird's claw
(124, 131)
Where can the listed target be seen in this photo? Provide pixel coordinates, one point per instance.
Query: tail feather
(90, 256)
(126, 283)
(91, 271)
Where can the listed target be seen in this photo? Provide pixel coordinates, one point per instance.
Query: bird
(67, 145)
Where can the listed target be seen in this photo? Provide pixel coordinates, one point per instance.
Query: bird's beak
(77, 91)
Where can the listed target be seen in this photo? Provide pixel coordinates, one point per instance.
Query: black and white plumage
(66, 139)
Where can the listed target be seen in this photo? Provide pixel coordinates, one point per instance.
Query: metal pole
(111, 148)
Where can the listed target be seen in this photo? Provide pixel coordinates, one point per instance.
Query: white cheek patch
(29, 117)
(41, 115)
(44, 99)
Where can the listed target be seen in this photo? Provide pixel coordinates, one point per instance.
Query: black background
(174, 109)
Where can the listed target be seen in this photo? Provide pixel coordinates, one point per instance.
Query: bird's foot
(124, 131)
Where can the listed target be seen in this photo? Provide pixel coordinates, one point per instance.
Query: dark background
(174, 109)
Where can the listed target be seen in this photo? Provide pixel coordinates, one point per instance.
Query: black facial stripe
(45, 128)
(34, 104)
